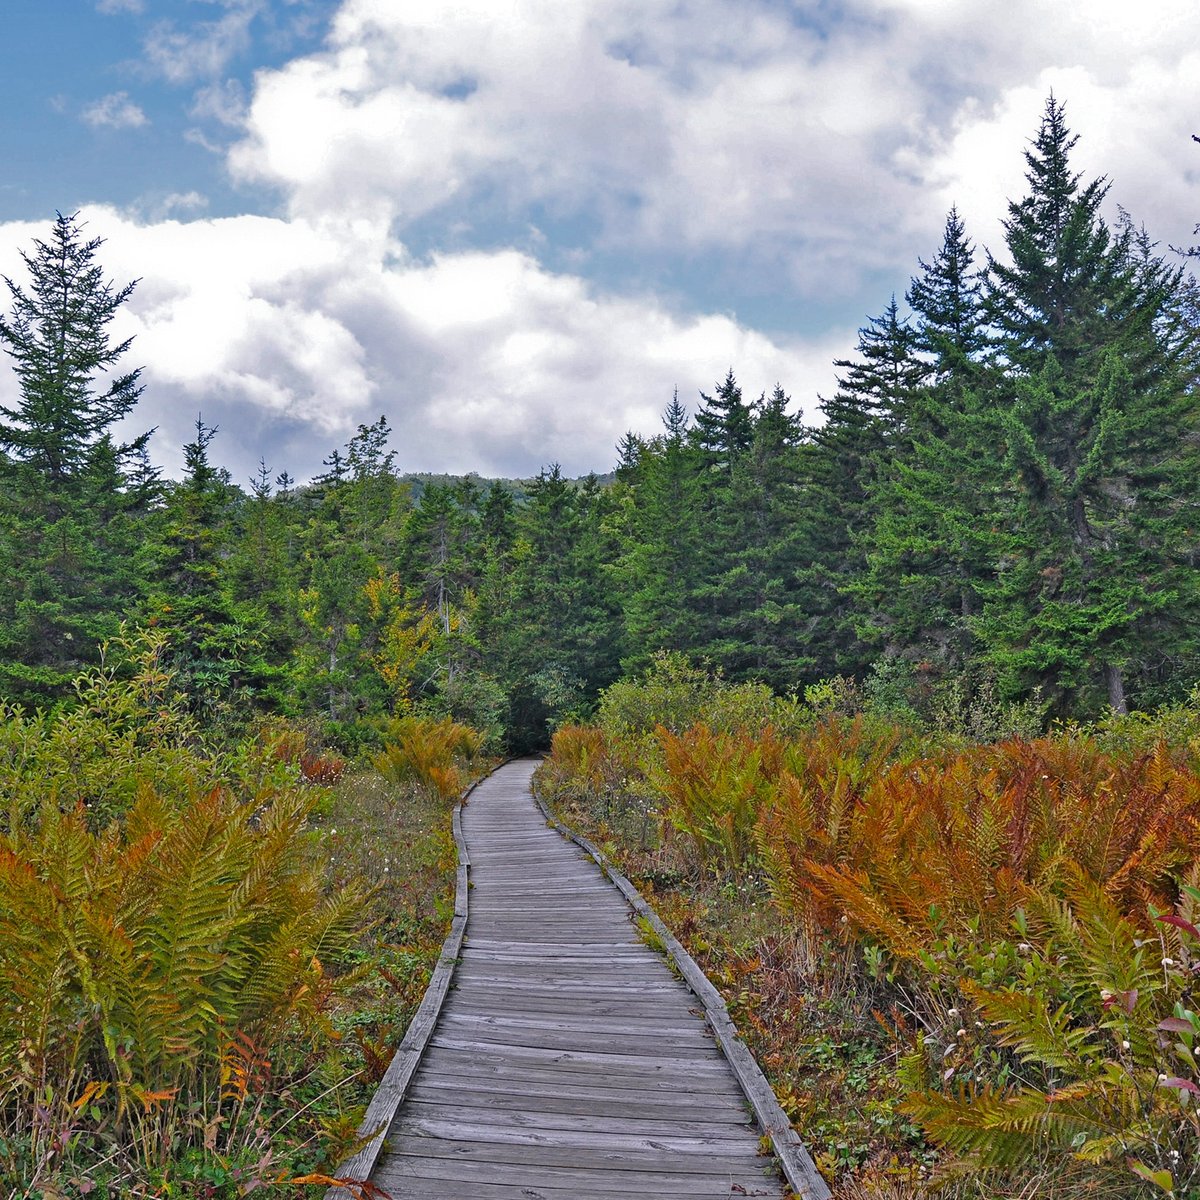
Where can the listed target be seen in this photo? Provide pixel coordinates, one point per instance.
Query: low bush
(432, 753)
(144, 964)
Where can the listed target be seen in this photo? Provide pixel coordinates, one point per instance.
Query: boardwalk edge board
(394, 1084)
(797, 1164)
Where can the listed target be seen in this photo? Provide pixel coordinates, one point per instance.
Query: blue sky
(515, 226)
(63, 146)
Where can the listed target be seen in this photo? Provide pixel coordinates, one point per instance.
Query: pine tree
(947, 299)
(723, 428)
(558, 640)
(842, 465)
(355, 524)
(260, 576)
(215, 644)
(57, 336)
(760, 597)
(1095, 547)
(441, 567)
(69, 505)
(661, 564)
(927, 546)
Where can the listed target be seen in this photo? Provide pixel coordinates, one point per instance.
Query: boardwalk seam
(394, 1085)
(798, 1167)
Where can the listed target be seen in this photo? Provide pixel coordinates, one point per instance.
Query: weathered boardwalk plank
(567, 1059)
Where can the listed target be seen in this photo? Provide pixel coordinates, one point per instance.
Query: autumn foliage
(1026, 909)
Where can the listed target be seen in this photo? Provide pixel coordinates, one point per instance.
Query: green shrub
(430, 753)
(677, 695)
(139, 957)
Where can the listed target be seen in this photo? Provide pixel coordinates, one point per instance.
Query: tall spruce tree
(761, 602)
(721, 436)
(1095, 585)
(68, 510)
(842, 464)
(215, 644)
(659, 571)
(558, 641)
(927, 546)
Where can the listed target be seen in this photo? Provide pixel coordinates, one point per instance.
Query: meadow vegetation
(969, 967)
(207, 954)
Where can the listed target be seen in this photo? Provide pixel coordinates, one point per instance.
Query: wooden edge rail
(798, 1167)
(394, 1084)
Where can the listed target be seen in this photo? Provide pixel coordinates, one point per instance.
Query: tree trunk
(1116, 688)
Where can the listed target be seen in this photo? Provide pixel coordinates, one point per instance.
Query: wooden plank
(535, 1004)
(459, 1013)
(440, 1180)
(573, 1079)
(575, 1157)
(710, 1063)
(419, 1189)
(530, 1117)
(451, 1126)
(686, 1047)
(549, 1100)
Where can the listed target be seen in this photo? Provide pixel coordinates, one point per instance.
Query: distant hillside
(418, 481)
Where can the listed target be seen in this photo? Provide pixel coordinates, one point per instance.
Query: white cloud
(201, 51)
(292, 332)
(110, 7)
(224, 102)
(115, 111)
(181, 202)
(825, 150)
(802, 152)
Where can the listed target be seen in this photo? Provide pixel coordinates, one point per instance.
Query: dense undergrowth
(968, 967)
(207, 954)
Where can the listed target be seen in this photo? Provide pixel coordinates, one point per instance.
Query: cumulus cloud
(115, 111)
(289, 333)
(804, 154)
(824, 148)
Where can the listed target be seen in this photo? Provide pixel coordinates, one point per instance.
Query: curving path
(567, 1061)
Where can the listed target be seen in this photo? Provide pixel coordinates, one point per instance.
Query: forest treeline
(998, 502)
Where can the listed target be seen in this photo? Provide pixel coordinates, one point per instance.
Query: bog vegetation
(967, 965)
(949, 892)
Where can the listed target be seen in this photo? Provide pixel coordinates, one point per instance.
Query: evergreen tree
(660, 568)
(355, 525)
(441, 565)
(842, 465)
(558, 640)
(724, 427)
(759, 594)
(216, 646)
(69, 510)
(1095, 544)
(260, 575)
(57, 336)
(928, 545)
(947, 298)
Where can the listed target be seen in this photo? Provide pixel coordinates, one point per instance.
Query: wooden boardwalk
(567, 1059)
